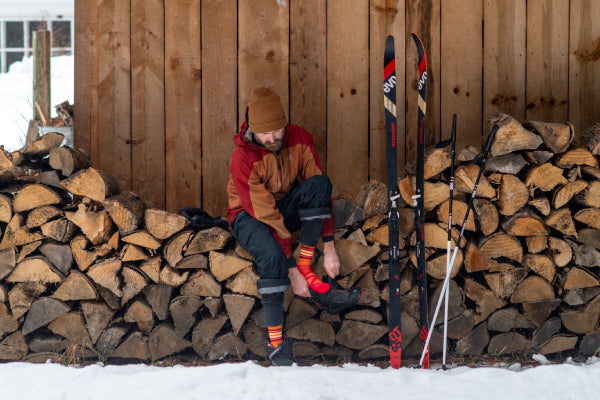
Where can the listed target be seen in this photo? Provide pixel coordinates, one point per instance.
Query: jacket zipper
(280, 174)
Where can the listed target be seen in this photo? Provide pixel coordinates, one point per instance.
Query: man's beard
(275, 146)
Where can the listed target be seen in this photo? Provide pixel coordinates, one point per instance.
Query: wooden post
(41, 82)
(41, 74)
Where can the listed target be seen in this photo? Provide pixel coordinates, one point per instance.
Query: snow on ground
(249, 381)
(16, 97)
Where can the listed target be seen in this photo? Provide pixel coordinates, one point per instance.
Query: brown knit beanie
(265, 111)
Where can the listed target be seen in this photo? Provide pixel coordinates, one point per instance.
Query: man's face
(272, 140)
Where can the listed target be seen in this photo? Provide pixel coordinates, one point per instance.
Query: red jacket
(258, 177)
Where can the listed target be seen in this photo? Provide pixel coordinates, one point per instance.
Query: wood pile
(84, 264)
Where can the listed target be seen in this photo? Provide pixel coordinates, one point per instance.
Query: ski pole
(480, 159)
(449, 269)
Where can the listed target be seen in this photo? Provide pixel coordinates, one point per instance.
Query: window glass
(14, 34)
(13, 56)
(61, 34)
(34, 26)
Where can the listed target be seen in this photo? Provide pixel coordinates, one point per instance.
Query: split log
(525, 223)
(131, 252)
(43, 311)
(135, 347)
(545, 177)
(71, 326)
(35, 269)
(69, 160)
(223, 266)
(151, 268)
(82, 257)
(557, 137)
(5, 208)
(373, 198)
(536, 244)
(580, 322)
(39, 216)
(61, 230)
(134, 282)
(244, 282)
(533, 289)
(586, 256)
(59, 255)
(435, 192)
(92, 183)
(201, 284)
(512, 195)
(142, 239)
(487, 216)
(577, 156)
(140, 313)
(42, 146)
(97, 317)
(204, 333)
(208, 240)
(590, 138)
(162, 224)
(172, 277)
(459, 210)
(465, 177)
(559, 343)
(174, 247)
(182, 309)
(95, 226)
(76, 286)
(590, 195)
(562, 221)
(504, 283)
(437, 160)
(541, 265)
(476, 260)
(508, 343)
(461, 325)
(159, 297)
(109, 340)
(8, 261)
(314, 331)
(507, 320)
(589, 216)
(227, 345)
(502, 245)
(126, 210)
(512, 136)
(539, 311)
(541, 204)
(238, 307)
(436, 267)
(510, 163)
(590, 237)
(565, 193)
(105, 274)
(475, 342)
(13, 347)
(196, 261)
(22, 295)
(353, 255)
(578, 278)
(16, 234)
(487, 302)
(163, 341)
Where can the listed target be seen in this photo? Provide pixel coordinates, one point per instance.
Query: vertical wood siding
(162, 86)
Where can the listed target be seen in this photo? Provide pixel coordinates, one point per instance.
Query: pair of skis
(394, 319)
(389, 96)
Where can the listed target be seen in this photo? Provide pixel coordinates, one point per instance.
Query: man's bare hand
(331, 262)
(299, 285)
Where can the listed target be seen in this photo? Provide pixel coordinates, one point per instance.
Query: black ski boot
(337, 298)
(282, 356)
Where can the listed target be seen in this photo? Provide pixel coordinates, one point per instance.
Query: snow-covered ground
(249, 381)
(16, 97)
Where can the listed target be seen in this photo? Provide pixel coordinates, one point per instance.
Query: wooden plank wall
(161, 86)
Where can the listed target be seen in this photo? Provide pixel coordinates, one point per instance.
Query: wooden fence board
(547, 60)
(85, 109)
(461, 76)
(423, 18)
(114, 91)
(147, 103)
(183, 112)
(347, 93)
(504, 57)
(387, 17)
(584, 67)
(219, 100)
(263, 37)
(308, 68)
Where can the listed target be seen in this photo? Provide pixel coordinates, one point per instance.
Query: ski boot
(337, 298)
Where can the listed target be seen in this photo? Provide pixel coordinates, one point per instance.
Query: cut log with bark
(126, 210)
(557, 137)
(69, 160)
(512, 136)
(163, 225)
(92, 183)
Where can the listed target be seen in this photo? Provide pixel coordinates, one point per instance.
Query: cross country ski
(389, 101)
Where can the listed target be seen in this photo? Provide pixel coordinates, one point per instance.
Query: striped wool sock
(306, 255)
(275, 335)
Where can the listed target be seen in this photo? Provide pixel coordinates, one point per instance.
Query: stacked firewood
(84, 264)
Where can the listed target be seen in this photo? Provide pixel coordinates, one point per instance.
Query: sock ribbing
(275, 335)
(306, 255)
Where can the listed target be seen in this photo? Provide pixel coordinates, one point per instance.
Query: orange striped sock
(275, 335)
(306, 255)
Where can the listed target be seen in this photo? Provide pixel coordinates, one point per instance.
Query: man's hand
(331, 262)
(299, 285)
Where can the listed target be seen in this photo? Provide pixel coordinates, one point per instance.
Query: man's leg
(306, 208)
(271, 263)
